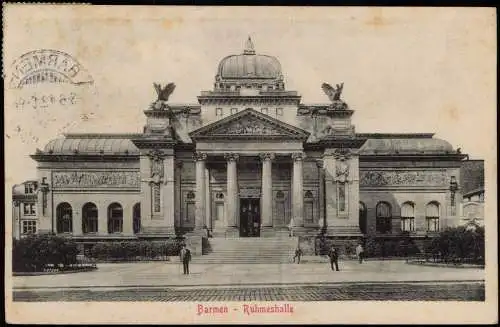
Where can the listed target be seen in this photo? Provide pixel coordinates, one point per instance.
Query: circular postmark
(47, 66)
(48, 90)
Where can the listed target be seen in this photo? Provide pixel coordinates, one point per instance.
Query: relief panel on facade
(403, 178)
(248, 127)
(95, 179)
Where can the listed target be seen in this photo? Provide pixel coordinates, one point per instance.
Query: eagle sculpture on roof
(164, 93)
(333, 93)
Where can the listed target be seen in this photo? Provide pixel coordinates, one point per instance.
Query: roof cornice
(395, 135)
(83, 157)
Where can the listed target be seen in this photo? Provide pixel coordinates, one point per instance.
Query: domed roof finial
(249, 49)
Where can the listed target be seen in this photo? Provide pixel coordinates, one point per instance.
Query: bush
(458, 244)
(135, 250)
(384, 247)
(35, 252)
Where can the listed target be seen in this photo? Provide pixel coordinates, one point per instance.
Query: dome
(406, 146)
(92, 144)
(249, 65)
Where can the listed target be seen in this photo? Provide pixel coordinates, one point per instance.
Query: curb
(265, 285)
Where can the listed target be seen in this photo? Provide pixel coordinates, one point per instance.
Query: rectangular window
(279, 111)
(407, 224)
(29, 188)
(432, 224)
(29, 227)
(218, 112)
(234, 110)
(29, 209)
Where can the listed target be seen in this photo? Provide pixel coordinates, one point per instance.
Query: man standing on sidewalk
(298, 254)
(185, 257)
(360, 252)
(334, 258)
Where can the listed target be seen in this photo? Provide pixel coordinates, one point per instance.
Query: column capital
(267, 156)
(156, 154)
(231, 156)
(199, 156)
(298, 156)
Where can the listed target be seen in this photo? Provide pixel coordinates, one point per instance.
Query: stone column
(102, 218)
(128, 219)
(200, 203)
(168, 194)
(208, 200)
(267, 190)
(145, 171)
(77, 219)
(178, 197)
(232, 190)
(297, 188)
(321, 194)
(16, 219)
(44, 207)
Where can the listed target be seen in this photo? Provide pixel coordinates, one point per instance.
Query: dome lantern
(249, 48)
(249, 70)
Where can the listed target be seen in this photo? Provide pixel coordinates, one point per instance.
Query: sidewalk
(160, 274)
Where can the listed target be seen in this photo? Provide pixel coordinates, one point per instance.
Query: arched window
(362, 217)
(432, 216)
(64, 214)
(136, 212)
(89, 218)
(408, 217)
(115, 218)
(384, 217)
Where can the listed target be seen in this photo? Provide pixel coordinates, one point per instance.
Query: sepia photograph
(222, 165)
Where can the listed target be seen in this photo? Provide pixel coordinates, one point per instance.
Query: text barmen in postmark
(47, 66)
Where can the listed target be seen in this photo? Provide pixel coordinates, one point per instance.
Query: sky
(410, 70)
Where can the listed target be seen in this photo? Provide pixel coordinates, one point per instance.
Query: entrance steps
(249, 250)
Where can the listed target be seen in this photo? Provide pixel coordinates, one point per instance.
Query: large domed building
(250, 159)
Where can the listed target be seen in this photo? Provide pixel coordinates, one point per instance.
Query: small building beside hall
(24, 203)
(249, 159)
(472, 205)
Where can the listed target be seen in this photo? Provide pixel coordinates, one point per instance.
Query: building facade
(24, 203)
(472, 206)
(248, 160)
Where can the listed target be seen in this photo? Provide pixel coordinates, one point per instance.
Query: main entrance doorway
(250, 217)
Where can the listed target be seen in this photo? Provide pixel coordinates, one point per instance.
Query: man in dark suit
(298, 254)
(185, 257)
(334, 257)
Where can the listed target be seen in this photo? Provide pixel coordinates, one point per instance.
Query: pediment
(249, 124)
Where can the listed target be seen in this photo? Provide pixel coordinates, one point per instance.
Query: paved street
(162, 274)
(408, 292)
(158, 281)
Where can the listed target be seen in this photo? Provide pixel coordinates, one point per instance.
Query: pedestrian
(185, 257)
(298, 254)
(334, 258)
(360, 252)
(290, 227)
